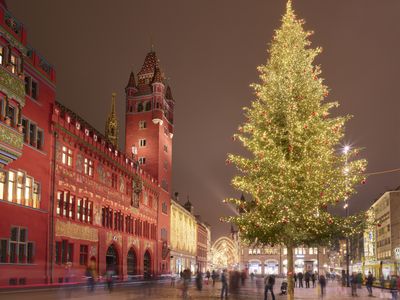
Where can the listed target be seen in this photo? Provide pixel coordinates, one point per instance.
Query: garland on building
(296, 168)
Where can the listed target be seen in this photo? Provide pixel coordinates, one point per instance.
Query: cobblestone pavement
(159, 291)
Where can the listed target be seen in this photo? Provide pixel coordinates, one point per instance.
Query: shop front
(271, 266)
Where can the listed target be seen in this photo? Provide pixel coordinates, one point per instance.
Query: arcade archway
(112, 259)
(131, 262)
(147, 264)
(225, 253)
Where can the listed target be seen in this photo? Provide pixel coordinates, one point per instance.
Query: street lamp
(346, 150)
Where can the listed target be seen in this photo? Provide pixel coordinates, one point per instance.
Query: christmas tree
(296, 167)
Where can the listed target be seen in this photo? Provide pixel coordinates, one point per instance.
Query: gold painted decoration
(76, 231)
(13, 86)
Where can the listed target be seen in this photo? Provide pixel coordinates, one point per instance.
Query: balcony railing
(12, 85)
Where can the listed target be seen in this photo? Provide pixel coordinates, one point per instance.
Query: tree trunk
(290, 270)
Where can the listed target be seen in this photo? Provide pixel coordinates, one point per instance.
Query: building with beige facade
(183, 237)
(273, 260)
(382, 243)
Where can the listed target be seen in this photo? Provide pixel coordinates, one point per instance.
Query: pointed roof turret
(168, 93)
(131, 82)
(188, 205)
(112, 127)
(242, 198)
(147, 71)
(157, 75)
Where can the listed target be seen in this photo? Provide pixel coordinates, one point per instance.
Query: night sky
(210, 50)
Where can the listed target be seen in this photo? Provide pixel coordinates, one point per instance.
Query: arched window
(140, 107)
(131, 262)
(148, 106)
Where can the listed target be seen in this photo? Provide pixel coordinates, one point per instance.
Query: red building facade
(27, 92)
(68, 195)
(106, 208)
(149, 130)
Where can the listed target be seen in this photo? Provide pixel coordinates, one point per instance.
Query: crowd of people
(232, 281)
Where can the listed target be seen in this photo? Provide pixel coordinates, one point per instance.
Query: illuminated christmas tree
(296, 167)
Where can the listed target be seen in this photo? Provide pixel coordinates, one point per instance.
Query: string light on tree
(295, 166)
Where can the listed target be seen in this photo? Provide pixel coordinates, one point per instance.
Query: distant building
(183, 237)
(203, 243)
(384, 258)
(273, 259)
(225, 253)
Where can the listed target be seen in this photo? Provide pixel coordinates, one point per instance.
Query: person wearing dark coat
(224, 281)
(322, 282)
(368, 284)
(313, 278)
(269, 286)
(307, 279)
(213, 277)
(300, 278)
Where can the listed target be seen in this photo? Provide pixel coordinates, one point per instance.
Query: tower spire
(112, 127)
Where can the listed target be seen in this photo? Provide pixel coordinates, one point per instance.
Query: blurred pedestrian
(173, 279)
(208, 275)
(68, 278)
(110, 278)
(252, 276)
(243, 276)
(269, 286)
(307, 279)
(359, 280)
(344, 278)
(313, 278)
(295, 279)
(91, 276)
(394, 286)
(186, 275)
(300, 278)
(224, 281)
(353, 282)
(382, 285)
(199, 280)
(322, 283)
(213, 277)
(368, 284)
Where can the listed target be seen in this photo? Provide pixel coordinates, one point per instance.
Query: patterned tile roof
(157, 75)
(131, 82)
(148, 68)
